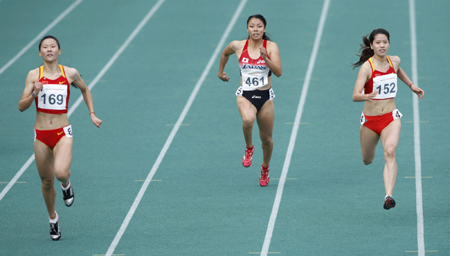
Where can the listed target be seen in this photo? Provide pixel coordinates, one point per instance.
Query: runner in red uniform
(49, 87)
(258, 59)
(377, 86)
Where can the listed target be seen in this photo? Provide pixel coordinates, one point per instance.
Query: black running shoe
(55, 232)
(389, 202)
(68, 196)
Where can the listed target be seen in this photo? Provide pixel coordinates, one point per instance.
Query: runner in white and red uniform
(377, 85)
(49, 87)
(258, 59)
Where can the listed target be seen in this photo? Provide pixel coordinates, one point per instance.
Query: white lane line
(16, 177)
(40, 35)
(417, 157)
(91, 85)
(174, 131)
(287, 161)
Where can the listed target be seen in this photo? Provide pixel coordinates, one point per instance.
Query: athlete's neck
(255, 43)
(379, 59)
(51, 68)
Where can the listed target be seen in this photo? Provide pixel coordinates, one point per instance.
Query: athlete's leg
(44, 162)
(369, 140)
(63, 159)
(389, 139)
(265, 119)
(248, 114)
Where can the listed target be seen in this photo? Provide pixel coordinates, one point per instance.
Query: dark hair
(47, 37)
(260, 17)
(365, 51)
(59, 47)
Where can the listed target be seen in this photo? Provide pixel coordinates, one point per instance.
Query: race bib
(53, 96)
(386, 86)
(254, 81)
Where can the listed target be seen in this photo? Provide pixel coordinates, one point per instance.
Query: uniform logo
(256, 97)
(61, 82)
(59, 133)
(261, 62)
(244, 60)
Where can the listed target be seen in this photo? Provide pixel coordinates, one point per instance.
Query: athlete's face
(255, 28)
(49, 50)
(380, 45)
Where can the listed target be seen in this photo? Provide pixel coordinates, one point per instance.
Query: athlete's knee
(62, 175)
(267, 141)
(47, 184)
(367, 161)
(248, 122)
(389, 153)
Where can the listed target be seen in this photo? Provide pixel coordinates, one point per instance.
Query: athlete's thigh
(44, 160)
(246, 108)
(266, 118)
(369, 140)
(391, 134)
(63, 154)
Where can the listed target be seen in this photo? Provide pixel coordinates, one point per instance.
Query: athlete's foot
(55, 232)
(264, 178)
(247, 159)
(68, 195)
(389, 202)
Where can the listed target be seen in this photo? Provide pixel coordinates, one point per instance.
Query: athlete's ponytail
(260, 17)
(365, 51)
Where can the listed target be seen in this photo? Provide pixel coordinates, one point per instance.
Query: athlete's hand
(37, 87)
(224, 77)
(371, 95)
(96, 120)
(420, 93)
(263, 52)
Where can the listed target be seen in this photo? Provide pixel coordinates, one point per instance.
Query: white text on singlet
(254, 76)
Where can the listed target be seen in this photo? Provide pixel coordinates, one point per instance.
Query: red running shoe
(247, 159)
(264, 178)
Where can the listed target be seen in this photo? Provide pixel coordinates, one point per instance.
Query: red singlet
(54, 98)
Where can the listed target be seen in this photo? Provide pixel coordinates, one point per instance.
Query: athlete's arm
(363, 75)
(31, 87)
(402, 75)
(75, 78)
(274, 61)
(229, 50)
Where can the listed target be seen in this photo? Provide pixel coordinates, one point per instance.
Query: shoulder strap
(245, 46)
(41, 72)
(371, 64)
(62, 71)
(390, 62)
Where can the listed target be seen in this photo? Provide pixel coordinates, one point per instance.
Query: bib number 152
(387, 89)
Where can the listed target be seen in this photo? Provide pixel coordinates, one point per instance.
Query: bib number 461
(254, 81)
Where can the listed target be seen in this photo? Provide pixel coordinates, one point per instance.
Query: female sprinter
(49, 87)
(377, 86)
(258, 59)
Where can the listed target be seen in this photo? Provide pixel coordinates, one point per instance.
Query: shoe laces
(54, 228)
(249, 152)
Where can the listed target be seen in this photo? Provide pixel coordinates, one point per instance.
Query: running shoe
(389, 202)
(68, 196)
(264, 178)
(55, 232)
(247, 159)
